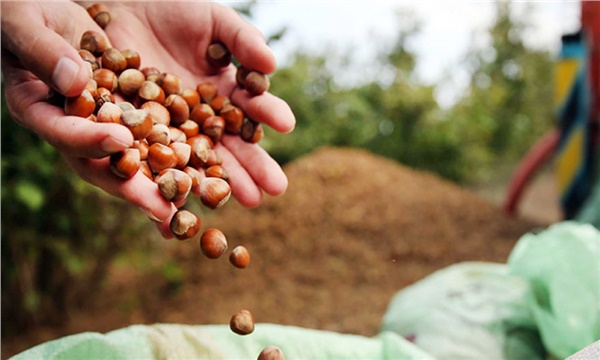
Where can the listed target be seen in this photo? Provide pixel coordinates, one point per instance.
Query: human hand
(151, 30)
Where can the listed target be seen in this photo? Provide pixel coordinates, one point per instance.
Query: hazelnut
(160, 133)
(213, 243)
(92, 87)
(145, 169)
(125, 163)
(138, 121)
(161, 157)
(214, 192)
(218, 55)
(242, 322)
(234, 118)
(207, 91)
(150, 71)
(106, 78)
(109, 113)
(82, 105)
(90, 58)
(133, 59)
(177, 135)
(150, 91)
(130, 81)
(219, 102)
(217, 171)
(201, 112)
(256, 83)
(170, 83)
(158, 112)
(252, 132)
(195, 175)
(271, 352)
(240, 76)
(174, 185)
(191, 97)
(142, 146)
(214, 127)
(212, 158)
(178, 108)
(100, 14)
(190, 128)
(185, 224)
(182, 152)
(126, 106)
(93, 42)
(113, 60)
(201, 144)
(239, 257)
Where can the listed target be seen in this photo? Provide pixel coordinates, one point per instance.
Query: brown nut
(212, 158)
(240, 76)
(174, 185)
(126, 106)
(160, 133)
(93, 42)
(161, 157)
(130, 81)
(133, 59)
(125, 163)
(183, 152)
(100, 14)
(201, 112)
(252, 132)
(214, 192)
(242, 322)
(109, 113)
(213, 243)
(256, 83)
(158, 112)
(177, 135)
(145, 169)
(217, 171)
(271, 352)
(170, 83)
(113, 60)
(185, 224)
(190, 128)
(178, 108)
(239, 257)
(90, 58)
(201, 146)
(219, 102)
(195, 175)
(142, 146)
(92, 87)
(138, 121)
(234, 119)
(152, 72)
(214, 127)
(150, 91)
(218, 55)
(82, 105)
(106, 78)
(191, 97)
(207, 91)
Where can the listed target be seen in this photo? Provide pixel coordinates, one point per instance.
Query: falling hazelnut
(185, 224)
(239, 257)
(271, 352)
(213, 243)
(242, 322)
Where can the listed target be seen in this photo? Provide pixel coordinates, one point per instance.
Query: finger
(243, 187)
(164, 227)
(138, 190)
(267, 109)
(261, 167)
(71, 135)
(243, 40)
(43, 51)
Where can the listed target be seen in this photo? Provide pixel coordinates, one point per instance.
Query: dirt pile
(351, 231)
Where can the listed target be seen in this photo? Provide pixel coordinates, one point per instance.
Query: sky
(446, 32)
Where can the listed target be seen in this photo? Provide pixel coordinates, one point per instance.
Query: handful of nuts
(175, 132)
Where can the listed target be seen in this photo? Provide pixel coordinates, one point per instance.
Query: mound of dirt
(352, 230)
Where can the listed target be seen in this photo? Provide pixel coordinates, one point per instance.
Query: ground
(351, 231)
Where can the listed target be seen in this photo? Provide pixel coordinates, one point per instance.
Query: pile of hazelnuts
(174, 130)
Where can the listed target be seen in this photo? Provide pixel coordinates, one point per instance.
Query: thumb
(44, 52)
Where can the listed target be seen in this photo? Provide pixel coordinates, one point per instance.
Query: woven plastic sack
(170, 341)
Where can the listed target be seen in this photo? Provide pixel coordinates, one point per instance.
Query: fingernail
(65, 74)
(150, 215)
(112, 144)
